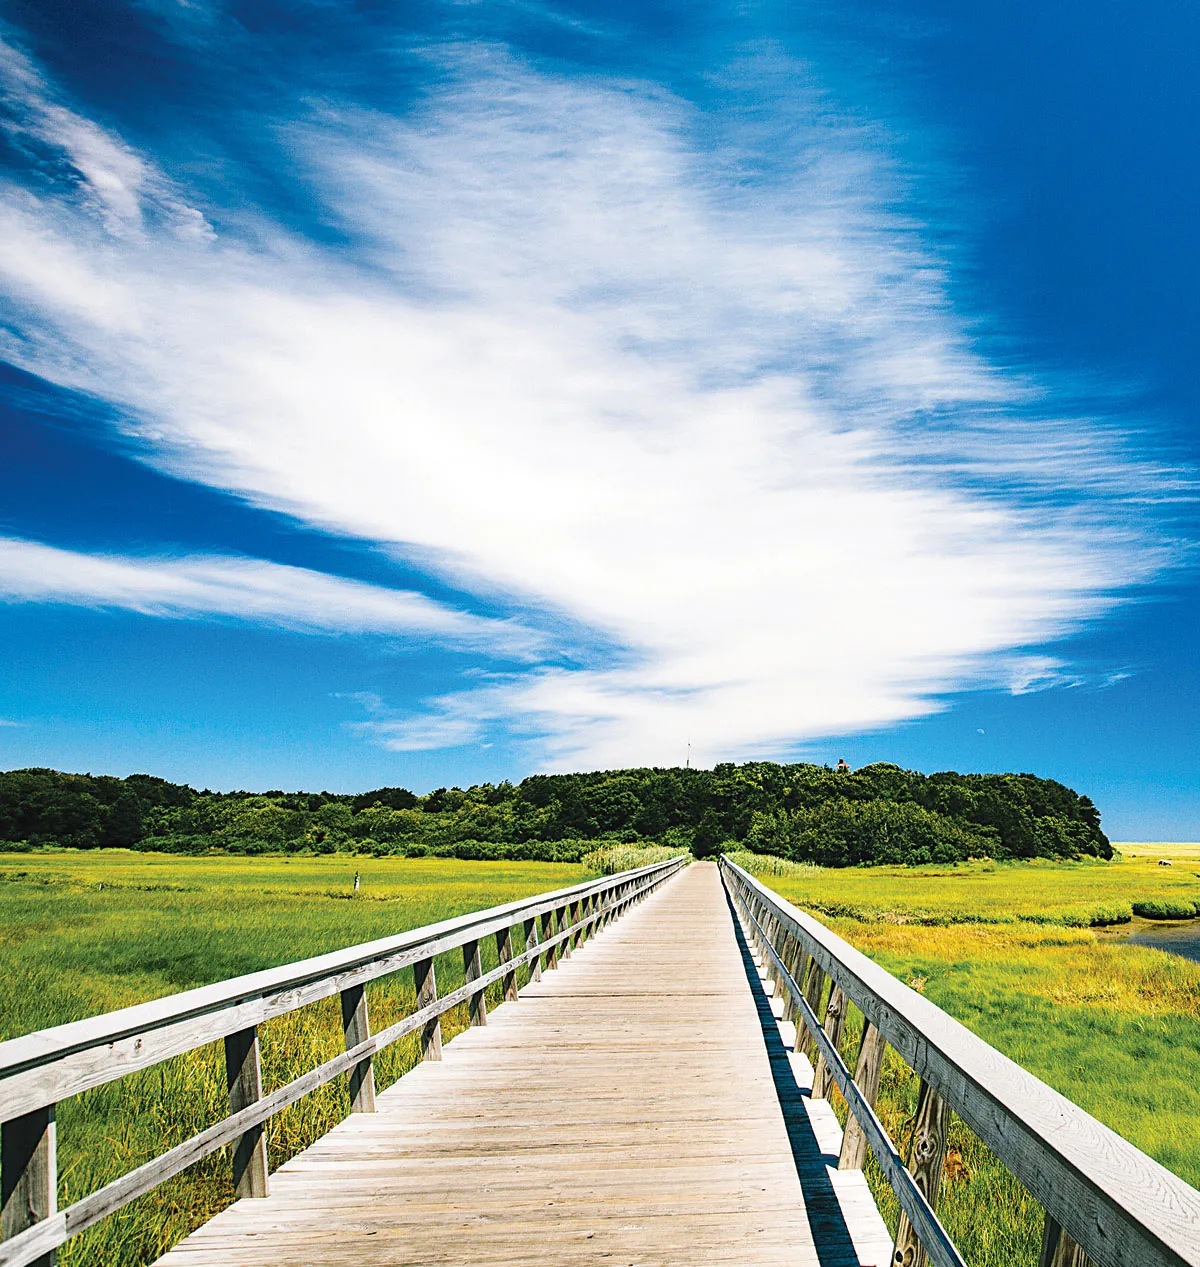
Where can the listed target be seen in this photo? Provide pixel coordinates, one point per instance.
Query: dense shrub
(1167, 908)
(800, 812)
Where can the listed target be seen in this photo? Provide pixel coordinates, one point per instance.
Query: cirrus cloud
(588, 352)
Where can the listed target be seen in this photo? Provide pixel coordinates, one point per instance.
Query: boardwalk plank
(636, 1106)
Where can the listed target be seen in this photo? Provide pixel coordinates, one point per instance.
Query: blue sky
(433, 393)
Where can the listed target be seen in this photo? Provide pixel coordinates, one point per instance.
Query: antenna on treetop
(688, 765)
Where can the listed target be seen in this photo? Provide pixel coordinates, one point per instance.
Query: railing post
(472, 970)
(835, 1021)
(813, 990)
(547, 933)
(564, 951)
(29, 1174)
(756, 937)
(926, 1161)
(243, 1073)
(1059, 1250)
(531, 940)
(771, 932)
(357, 1027)
(573, 916)
(504, 952)
(789, 954)
(867, 1073)
(425, 983)
(753, 912)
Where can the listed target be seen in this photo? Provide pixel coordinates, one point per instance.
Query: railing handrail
(37, 1069)
(1119, 1205)
(309, 979)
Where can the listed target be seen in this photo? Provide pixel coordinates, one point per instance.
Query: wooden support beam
(867, 1073)
(799, 970)
(814, 987)
(1058, 1249)
(790, 954)
(29, 1174)
(759, 913)
(472, 970)
(243, 1073)
(547, 933)
(425, 983)
(835, 1023)
(564, 946)
(504, 952)
(531, 940)
(356, 1026)
(926, 1161)
(771, 929)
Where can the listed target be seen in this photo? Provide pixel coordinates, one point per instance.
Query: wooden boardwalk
(636, 1106)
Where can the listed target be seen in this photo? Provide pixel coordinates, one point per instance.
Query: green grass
(1076, 894)
(83, 933)
(611, 859)
(1114, 1027)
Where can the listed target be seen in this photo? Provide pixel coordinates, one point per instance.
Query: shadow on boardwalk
(830, 1234)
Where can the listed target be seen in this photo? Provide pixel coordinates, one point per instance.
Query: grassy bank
(1115, 1027)
(1078, 894)
(82, 933)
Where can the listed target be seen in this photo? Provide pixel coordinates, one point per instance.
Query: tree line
(877, 814)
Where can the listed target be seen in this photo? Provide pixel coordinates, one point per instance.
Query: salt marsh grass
(84, 933)
(610, 859)
(1005, 948)
(1073, 894)
(767, 864)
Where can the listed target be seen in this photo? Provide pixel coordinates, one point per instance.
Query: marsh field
(1020, 952)
(1023, 955)
(83, 932)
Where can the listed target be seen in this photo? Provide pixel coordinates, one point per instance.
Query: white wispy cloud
(593, 353)
(244, 589)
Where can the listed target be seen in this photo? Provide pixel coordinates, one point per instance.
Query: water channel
(1180, 939)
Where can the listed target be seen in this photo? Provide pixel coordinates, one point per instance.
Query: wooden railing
(39, 1070)
(1104, 1200)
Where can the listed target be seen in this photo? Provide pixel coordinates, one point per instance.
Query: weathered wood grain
(835, 1023)
(29, 1174)
(30, 1246)
(53, 1064)
(1058, 1249)
(926, 1161)
(934, 1237)
(550, 959)
(867, 1072)
(814, 987)
(531, 940)
(579, 1127)
(504, 952)
(1121, 1206)
(425, 983)
(472, 971)
(356, 1027)
(243, 1070)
